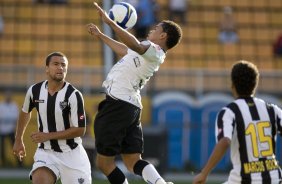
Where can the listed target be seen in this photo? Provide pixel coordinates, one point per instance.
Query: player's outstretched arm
(118, 47)
(126, 37)
(218, 152)
(19, 148)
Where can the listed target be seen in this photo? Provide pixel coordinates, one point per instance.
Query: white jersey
(252, 126)
(131, 73)
(59, 112)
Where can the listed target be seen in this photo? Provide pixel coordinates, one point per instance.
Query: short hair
(245, 78)
(174, 33)
(48, 58)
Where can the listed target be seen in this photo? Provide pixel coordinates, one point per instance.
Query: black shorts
(118, 128)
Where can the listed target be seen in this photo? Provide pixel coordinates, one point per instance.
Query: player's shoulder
(37, 86)
(72, 89)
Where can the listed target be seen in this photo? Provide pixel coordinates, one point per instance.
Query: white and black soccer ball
(124, 14)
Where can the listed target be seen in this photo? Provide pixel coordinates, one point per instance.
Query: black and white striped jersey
(252, 126)
(59, 112)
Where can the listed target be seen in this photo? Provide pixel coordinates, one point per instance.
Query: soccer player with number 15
(250, 126)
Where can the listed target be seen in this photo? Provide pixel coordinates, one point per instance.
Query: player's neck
(163, 46)
(54, 86)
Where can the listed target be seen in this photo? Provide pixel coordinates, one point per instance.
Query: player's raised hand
(19, 149)
(103, 14)
(93, 29)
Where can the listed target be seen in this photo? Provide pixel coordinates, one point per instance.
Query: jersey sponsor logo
(220, 130)
(260, 166)
(80, 180)
(39, 101)
(63, 105)
(250, 104)
(81, 117)
(137, 62)
(158, 48)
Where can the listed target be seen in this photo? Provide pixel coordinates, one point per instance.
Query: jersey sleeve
(278, 114)
(224, 124)
(154, 53)
(28, 104)
(77, 110)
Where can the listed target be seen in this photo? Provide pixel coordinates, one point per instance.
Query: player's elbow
(225, 142)
(80, 131)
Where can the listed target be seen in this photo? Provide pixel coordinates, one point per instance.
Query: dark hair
(245, 77)
(174, 33)
(48, 58)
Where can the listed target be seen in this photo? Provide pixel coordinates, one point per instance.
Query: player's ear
(46, 68)
(163, 35)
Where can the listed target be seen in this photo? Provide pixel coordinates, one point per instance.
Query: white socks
(151, 175)
(125, 181)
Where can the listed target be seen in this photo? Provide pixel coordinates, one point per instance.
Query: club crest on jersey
(80, 180)
(63, 105)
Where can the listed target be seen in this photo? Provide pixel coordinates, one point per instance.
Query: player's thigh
(75, 176)
(43, 175)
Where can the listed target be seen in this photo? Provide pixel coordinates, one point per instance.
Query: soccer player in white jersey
(250, 126)
(61, 123)
(117, 125)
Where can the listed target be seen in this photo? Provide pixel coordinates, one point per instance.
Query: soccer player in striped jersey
(61, 123)
(250, 126)
(117, 124)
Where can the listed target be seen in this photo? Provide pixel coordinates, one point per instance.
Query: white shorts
(71, 167)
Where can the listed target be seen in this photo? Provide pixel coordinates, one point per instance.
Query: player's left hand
(39, 137)
(93, 29)
(103, 14)
(19, 149)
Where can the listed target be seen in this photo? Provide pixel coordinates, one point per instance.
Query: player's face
(156, 33)
(57, 69)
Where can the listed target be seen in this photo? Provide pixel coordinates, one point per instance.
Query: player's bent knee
(105, 167)
(130, 160)
(43, 175)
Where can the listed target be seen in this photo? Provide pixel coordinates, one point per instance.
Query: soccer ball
(124, 14)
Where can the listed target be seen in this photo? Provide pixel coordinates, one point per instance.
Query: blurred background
(180, 101)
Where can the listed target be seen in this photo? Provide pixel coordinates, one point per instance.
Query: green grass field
(26, 181)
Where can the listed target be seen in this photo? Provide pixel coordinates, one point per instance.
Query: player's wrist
(18, 138)
(205, 172)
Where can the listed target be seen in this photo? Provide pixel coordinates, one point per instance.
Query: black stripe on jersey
(36, 93)
(279, 126)
(266, 179)
(66, 112)
(271, 114)
(80, 111)
(255, 116)
(240, 126)
(51, 102)
(279, 173)
(253, 109)
(220, 124)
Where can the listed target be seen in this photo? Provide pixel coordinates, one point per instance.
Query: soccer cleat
(169, 182)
